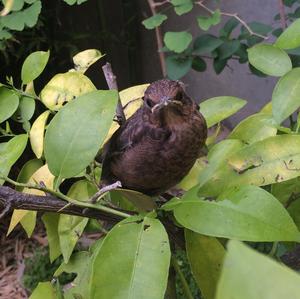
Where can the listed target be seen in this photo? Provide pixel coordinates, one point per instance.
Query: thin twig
(233, 15)
(105, 189)
(157, 4)
(158, 35)
(111, 80)
(282, 14)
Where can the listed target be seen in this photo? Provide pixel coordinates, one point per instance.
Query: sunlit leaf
(269, 280)
(290, 38)
(83, 60)
(63, 88)
(9, 102)
(135, 251)
(36, 134)
(87, 119)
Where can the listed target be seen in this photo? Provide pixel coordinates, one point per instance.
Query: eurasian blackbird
(157, 146)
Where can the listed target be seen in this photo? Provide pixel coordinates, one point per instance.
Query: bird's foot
(103, 190)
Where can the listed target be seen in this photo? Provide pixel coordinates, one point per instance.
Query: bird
(157, 146)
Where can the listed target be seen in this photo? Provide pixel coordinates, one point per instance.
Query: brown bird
(157, 146)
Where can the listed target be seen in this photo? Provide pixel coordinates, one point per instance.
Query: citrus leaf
(177, 41)
(88, 118)
(269, 279)
(270, 59)
(9, 102)
(217, 109)
(36, 134)
(286, 95)
(135, 251)
(206, 256)
(290, 37)
(63, 88)
(83, 60)
(33, 65)
(246, 213)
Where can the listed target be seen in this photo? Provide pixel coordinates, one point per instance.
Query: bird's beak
(165, 101)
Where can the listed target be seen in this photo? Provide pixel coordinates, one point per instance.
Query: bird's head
(165, 94)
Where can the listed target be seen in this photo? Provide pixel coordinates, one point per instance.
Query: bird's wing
(133, 132)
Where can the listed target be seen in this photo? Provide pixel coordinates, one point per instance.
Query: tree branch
(11, 199)
(111, 80)
(233, 15)
(282, 14)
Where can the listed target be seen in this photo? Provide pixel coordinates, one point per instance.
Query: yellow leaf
(44, 175)
(65, 87)
(36, 134)
(83, 60)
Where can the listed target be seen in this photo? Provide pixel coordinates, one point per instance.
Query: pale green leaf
(269, 59)
(286, 95)
(44, 290)
(9, 102)
(87, 119)
(177, 41)
(248, 274)
(290, 37)
(154, 21)
(33, 66)
(245, 213)
(83, 60)
(217, 109)
(135, 257)
(254, 128)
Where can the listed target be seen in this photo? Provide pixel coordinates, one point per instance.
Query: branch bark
(11, 199)
(111, 80)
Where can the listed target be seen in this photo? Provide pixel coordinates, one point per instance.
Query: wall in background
(237, 81)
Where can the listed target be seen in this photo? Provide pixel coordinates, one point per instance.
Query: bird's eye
(178, 96)
(149, 103)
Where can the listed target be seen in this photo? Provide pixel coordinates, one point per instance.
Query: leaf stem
(66, 198)
(186, 289)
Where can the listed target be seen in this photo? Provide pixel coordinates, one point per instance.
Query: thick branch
(111, 80)
(17, 200)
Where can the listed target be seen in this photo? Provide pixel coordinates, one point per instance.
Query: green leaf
(206, 22)
(270, 59)
(44, 290)
(50, 221)
(79, 263)
(182, 6)
(10, 153)
(135, 257)
(206, 256)
(9, 102)
(177, 41)
(27, 17)
(25, 110)
(248, 274)
(199, 64)
(33, 66)
(28, 222)
(238, 214)
(70, 228)
(206, 43)
(228, 48)
(217, 109)
(286, 95)
(229, 26)
(88, 118)
(72, 2)
(219, 65)
(177, 67)
(154, 21)
(265, 162)
(290, 38)
(254, 128)
(28, 169)
(63, 88)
